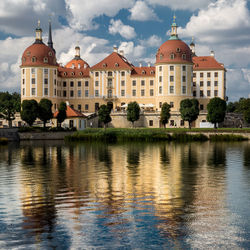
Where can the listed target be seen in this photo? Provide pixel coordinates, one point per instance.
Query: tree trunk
(44, 124)
(189, 125)
(10, 123)
(215, 126)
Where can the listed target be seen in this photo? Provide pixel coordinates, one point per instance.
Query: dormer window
(28, 53)
(172, 56)
(178, 50)
(72, 73)
(161, 56)
(64, 73)
(50, 53)
(143, 72)
(110, 73)
(116, 65)
(33, 59)
(151, 72)
(45, 59)
(73, 66)
(24, 60)
(104, 65)
(80, 73)
(184, 56)
(79, 65)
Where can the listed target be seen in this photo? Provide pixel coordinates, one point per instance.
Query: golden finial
(174, 17)
(38, 23)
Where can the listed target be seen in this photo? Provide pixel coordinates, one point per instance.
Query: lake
(55, 195)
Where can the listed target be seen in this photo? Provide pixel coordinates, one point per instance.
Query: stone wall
(10, 133)
(44, 135)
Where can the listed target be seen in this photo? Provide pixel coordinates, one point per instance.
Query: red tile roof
(73, 73)
(114, 61)
(206, 63)
(75, 63)
(143, 71)
(70, 112)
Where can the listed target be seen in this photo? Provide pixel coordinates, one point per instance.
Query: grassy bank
(149, 135)
(3, 141)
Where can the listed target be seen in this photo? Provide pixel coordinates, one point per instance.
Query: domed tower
(173, 71)
(39, 71)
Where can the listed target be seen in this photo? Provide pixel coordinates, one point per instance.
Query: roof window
(45, 59)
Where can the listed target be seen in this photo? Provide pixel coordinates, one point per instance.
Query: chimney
(121, 52)
(85, 65)
(212, 53)
(115, 49)
(149, 65)
(140, 65)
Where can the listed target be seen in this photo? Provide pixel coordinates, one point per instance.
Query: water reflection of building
(170, 180)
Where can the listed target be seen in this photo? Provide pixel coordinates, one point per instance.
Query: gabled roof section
(71, 112)
(143, 72)
(114, 61)
(206, 63)
(73, 73)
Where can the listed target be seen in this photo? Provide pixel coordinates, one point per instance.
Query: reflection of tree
(133, 157)
(246, 156)
(218, 156)
(164, 155)
(105, 155)
(28, 156)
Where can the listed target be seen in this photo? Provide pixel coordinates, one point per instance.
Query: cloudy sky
(138, 27)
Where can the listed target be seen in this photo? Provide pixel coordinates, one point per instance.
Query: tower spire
(39, 32)
(50, 42)
(174, 35)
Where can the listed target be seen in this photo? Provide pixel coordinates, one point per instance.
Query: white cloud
(82, 12)
(181, 5)
(142, 12)
(153, 41)
(117, 26)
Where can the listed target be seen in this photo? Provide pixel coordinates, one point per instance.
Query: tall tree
(189, 109)
(9, 105)
(61, 116)
(44, 111)
(165, 113)
(216, 110)
(133, 112)
(104, 114)
(29, 111)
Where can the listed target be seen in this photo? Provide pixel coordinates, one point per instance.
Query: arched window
(33, 59)
(24, 59)
(64, 73)
(178, 50)
(72, 73)
(161, 56)
(80, 73)
(184, 56)
(50, 53)
(172, 56)
(45, 59)
(117, 65)
(143, 72)
(104, 65)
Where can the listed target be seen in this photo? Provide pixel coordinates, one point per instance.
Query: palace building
(177, 74)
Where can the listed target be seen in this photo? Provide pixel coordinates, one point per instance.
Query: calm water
(125, 196)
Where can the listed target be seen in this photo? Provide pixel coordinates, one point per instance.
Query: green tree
(216, 110)
(9, 105)
(189, 109)
(61, 116)
(247, 115)
(244, 108)
(44, 111)
(104, 114)
(133, 112)
(165, 113)
(231, 107)
(29, 111)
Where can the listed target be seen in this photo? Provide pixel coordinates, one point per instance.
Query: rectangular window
(55, 82)
(123, 73)
(45, 71)
(96, 73)
(79, 83)
(122, 83)
(23, 81)
(142, 83)
(64, 84)
(201, 93)
(79, 107)
(201, 83)
(96, 93)
(208, 93)
(160, 78)
(45, 81)
(184, 78)
(33, 91)
(194, 84)
(134, 82)
(86, 83)
(194, 75)
(215, 83)
(160, 104)
(171, 78)
(201, 75)
(110, 73)
(151, 92)
(96, 83)
(151, 123)
(184, 89)
(171, 89)
(194, 93)
(208, 83)
(182, 123)
(33, 71)
(71, 84)
(216, 93)
(86, 107)
(183, 68)
(201, 107)
(54, 92)
(171, 104)
(79, 93)
(86, 93)
(151, 82)
(23, 91)
(215, 74)
(171, 68)
(160, 68)
(142, 92)
(23, 71)
(55, 71)
(134, 92)
(33, 80)
(160, 90)
(208, 74)
(122, 92)
(71, 93)
(64, 93)
(171, 122)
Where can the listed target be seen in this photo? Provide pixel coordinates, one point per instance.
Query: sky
(138, 27)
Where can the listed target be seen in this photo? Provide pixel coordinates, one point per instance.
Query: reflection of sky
(148, 196)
